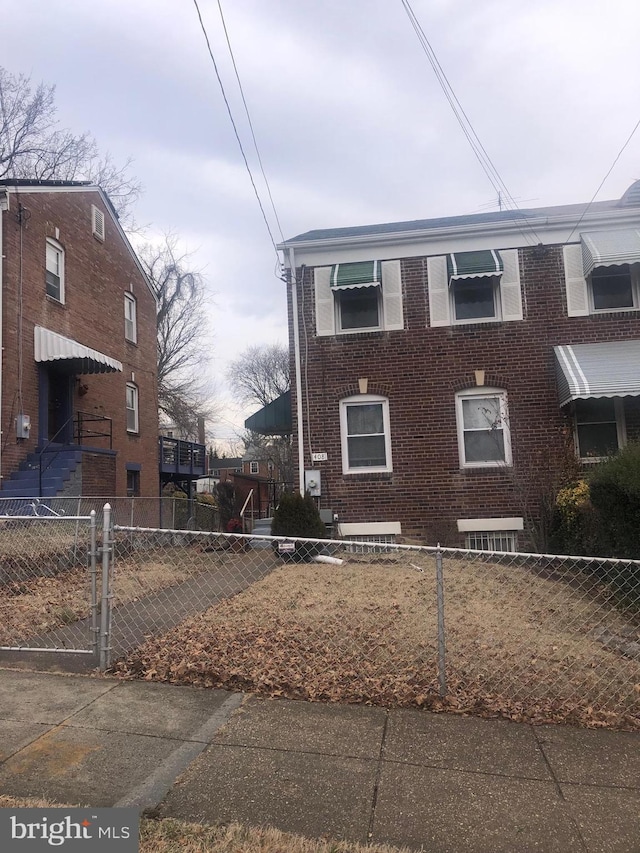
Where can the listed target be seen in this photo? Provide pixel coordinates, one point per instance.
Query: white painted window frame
(634, 270)
(365, 399)
(130, 317)
(59, 251)
(337, 305)
(478, 392)
(132, 405)
(254, 467)
(496, 317)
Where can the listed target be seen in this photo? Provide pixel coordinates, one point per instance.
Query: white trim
(98, 223)
(483, 525)
(620, 421)
(479, 392)
(365, 399)
(130, 299)
(131, 386)
(60, 254)
(370, 528)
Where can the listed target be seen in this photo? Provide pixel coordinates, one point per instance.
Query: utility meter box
(23, 426)
(312, 483)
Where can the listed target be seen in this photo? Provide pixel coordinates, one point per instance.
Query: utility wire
(465, 124)
(246, 109)
(235, 130)
(593, 198)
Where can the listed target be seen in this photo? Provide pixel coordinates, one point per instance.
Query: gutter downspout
(296, 351)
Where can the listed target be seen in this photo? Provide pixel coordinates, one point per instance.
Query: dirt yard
(521, 642)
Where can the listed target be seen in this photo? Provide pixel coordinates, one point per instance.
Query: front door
(59, 407)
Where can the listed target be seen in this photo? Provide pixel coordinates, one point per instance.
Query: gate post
(93, 572)
(105, 606)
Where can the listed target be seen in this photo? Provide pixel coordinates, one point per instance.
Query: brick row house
(78, 389)
(448, 370)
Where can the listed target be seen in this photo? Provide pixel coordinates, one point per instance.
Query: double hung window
(365, 433)
(484, 438)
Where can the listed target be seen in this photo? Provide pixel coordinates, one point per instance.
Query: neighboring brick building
(453, 366)
(78, 337)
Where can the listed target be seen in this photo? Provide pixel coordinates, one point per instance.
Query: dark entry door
(59, 407)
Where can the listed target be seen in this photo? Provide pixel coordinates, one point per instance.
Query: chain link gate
(54, 585)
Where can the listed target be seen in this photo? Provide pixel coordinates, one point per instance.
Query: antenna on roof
(501, 203)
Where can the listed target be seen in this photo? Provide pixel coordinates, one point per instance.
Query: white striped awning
(610, 248)
(586, 371)
(75, 357)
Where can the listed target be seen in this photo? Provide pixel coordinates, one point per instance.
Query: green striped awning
(359, 274)
(474, 264)
(610, 248)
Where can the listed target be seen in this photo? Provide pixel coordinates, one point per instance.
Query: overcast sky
(352, 126)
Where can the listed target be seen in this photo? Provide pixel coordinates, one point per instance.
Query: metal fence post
(93, 572)
(105, 604)
(442, 674)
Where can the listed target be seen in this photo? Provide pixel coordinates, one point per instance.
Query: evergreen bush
(297, 515)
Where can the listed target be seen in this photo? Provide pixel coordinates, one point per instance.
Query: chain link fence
(163, 512)
(538, 637)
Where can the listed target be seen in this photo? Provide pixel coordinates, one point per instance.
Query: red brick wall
(99, 475)
(96, 276)
(419, 370)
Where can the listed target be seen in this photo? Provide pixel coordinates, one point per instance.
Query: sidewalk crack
(374, 801)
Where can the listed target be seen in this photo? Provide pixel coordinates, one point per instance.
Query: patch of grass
(521, 641)
(176, 836)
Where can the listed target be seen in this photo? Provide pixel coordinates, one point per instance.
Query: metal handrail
(82, 417)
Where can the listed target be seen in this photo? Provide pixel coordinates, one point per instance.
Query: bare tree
(33, 146)
(182, 354)
(261, 373)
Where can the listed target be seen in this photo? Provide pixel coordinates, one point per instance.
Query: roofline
(506, 226)
(18, 187)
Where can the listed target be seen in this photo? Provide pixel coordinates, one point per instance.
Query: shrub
(615, 495)
(297, 515)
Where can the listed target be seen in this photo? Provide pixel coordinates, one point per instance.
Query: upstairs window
(484, 438)
(132, 407)
(602, 272)
(614, 288)
(130, 318)
(365, 434)
(474, 287)
(54, 275)
(362, 296)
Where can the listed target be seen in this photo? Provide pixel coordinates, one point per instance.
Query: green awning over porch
(358, 274)
(474, 264)
(274, 418)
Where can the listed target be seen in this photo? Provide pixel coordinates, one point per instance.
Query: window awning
(474, 264)
(358, 274)
(585, 371)
(610, 248)
(73, 356)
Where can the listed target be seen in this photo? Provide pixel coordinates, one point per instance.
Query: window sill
(608, 313)
(503, 468)
(55, 301)
(367, 475)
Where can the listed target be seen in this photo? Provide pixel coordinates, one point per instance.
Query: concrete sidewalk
(441, 782)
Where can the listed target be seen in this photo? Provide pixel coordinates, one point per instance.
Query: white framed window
(254, 468)
(54, 275)
(599, 428)
(130, 318)
(475, 300)
(484, 438)
(474, 287)
(365, 434)
(97, 223)
(363, 296)
(596, 279)
(494, 540)
(614, 288)
(132, 408)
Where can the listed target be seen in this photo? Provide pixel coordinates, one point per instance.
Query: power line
(584, 212)
(246, 109)
(466, 126)
(235, 130)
